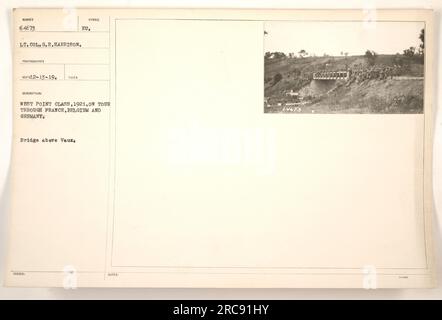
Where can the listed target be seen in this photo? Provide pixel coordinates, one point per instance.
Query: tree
(410, 52)
(276, 78)
(302, 53)
(296, 73)
(278, 55)
(267, 55)
(422, 39)
(371, 56)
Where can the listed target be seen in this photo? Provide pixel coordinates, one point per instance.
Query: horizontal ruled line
(76, 80)
(61, 64)
(69, 48)
(70, 31)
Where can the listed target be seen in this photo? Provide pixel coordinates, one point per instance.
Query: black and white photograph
(344, 67)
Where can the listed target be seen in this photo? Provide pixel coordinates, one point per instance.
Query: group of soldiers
(379, 72)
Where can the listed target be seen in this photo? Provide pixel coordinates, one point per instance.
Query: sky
(333, 37)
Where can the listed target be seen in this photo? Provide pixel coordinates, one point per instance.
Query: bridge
(331, 75)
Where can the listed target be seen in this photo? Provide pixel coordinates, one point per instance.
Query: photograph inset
(343, 67)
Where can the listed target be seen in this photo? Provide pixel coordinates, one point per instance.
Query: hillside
(389, 84)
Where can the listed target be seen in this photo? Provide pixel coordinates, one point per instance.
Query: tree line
(370, 55)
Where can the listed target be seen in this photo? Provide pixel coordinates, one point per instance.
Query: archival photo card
(344, 67)
(144, 153)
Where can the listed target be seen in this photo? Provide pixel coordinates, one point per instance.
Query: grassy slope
(383, 96)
